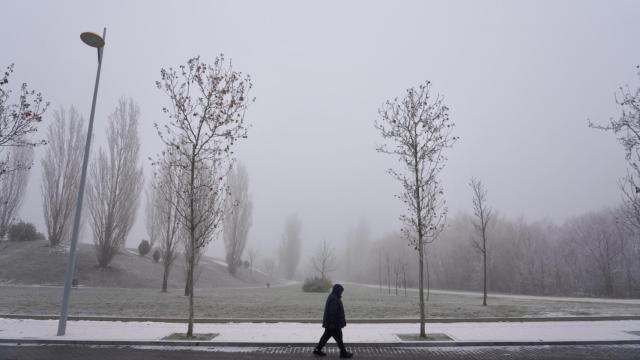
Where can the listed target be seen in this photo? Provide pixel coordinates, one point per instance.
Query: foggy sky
(521, 79)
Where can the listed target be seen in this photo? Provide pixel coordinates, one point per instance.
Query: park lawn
(289, 302)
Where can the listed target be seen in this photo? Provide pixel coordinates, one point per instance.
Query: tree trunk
(166, 264)
(389, 278)
(192, 239)
(629, 282)
(484, 260)
(192, 259)
(416, 173)
(423, 334)
(426, 265)
(396, 283)
(186, 285)
(404, 282)
(165, 278)
(608, 285)
(379, 274)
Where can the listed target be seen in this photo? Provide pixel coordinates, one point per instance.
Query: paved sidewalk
(381, 352)
(300, 333)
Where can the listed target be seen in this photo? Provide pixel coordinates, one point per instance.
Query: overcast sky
(521, 79)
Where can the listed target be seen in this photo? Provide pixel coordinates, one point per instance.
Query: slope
(35, 263)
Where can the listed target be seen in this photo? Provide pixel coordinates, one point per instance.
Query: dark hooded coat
(333, 310)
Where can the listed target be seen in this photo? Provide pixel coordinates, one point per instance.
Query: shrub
(144, 247)
(246, 264)
(316, 284)
(23, 231)
(156, 255)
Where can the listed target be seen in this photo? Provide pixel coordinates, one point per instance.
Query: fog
(521, 80)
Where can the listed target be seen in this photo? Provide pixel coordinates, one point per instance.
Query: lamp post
(93, 40)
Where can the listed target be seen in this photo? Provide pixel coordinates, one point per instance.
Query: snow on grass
(289, 302)
(219, 262)
(517, 296)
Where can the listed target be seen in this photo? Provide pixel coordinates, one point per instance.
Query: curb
(316, 321)
(178, 343)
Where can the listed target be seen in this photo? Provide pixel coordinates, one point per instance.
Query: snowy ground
(289, 302)
(309, 333)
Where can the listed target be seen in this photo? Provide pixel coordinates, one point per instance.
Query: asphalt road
(33, 352)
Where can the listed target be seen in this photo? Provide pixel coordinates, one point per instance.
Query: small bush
(144, 247)
(246, 264)
(156, 255)
(316, 284)
(23, 231)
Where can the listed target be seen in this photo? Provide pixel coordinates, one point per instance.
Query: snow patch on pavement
(288, 333)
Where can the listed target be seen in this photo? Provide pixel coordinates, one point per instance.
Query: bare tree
(324, 261)
(116, 182)
(290, 247)
(483, 215)
(13, 185)
(17, 121)
(627, 252)
(595, 233)
(206, 118)
(417, 130)
(61, 165)
(237, 221)
(165, 218)
(627, 129)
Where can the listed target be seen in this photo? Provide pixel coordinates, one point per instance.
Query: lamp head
(92, 39)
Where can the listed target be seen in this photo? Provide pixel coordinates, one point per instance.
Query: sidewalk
(15, 330)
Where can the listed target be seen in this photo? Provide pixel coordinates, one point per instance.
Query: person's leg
(337, 335)
(323, 340)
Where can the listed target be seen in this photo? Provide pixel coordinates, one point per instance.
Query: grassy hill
(35, 263)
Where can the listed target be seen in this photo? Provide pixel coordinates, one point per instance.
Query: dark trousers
(329, 333)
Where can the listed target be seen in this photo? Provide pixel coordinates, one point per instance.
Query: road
(30, 352)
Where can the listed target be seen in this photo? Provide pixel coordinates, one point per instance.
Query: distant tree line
(593, 254)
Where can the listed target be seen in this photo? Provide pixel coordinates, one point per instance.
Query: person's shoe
(319, 352)
(346, 355)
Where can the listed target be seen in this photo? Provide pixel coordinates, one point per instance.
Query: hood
(337, 290)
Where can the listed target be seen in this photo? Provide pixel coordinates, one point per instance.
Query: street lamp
(93, 40)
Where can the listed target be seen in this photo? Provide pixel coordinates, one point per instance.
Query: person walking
(333, 321)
